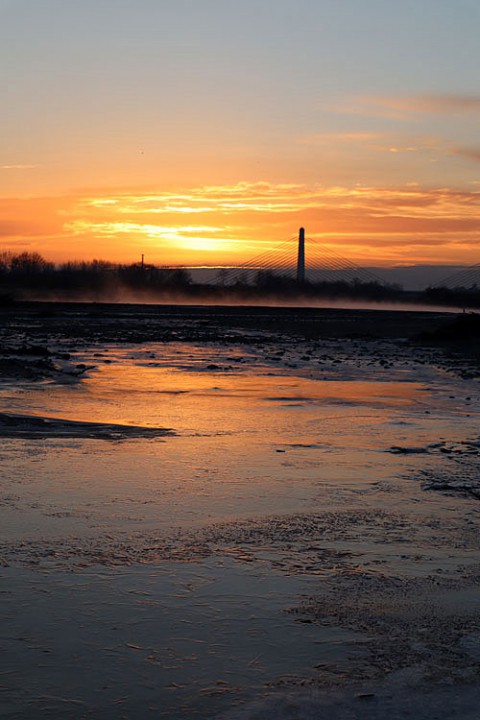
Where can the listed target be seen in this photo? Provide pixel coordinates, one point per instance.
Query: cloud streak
(399, 223)
(431, 147)
(469, 153)
(18, 167)
(406, 107)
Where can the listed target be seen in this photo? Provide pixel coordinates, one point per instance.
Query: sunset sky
(206, 132)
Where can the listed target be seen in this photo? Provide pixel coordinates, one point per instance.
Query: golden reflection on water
(208, 390)
(251, 439)
(207, 401)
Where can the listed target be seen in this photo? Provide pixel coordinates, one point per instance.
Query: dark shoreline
(42, 340)
(147, 320)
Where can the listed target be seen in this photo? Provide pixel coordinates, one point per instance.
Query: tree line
(28, 275)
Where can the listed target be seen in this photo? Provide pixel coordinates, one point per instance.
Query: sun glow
(195, 238)
(368, 224)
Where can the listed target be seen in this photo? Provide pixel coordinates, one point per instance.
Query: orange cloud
(232, 224)
(469, 153)
(404, 107)
(351, 137)
(18, 167)
(374, 142)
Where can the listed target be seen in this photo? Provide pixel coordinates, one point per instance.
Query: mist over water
(125, 295)
(29, 276)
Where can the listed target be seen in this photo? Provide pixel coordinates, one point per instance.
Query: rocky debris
(33, 362)
(461, 478)
(455, 449)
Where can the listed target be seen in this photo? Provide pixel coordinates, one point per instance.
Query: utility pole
(143, 263)
(301, 257)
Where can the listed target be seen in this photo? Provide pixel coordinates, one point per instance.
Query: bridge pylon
(301, 257)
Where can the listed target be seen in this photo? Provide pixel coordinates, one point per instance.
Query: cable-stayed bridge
(466, 279)
(302, 260)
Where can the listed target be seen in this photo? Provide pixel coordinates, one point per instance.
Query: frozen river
(278, 537)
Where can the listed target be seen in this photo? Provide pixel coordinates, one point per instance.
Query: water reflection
(250, 439)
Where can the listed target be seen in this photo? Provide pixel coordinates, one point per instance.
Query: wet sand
(303, 539)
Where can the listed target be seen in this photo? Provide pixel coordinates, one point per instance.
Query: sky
(206, 132)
